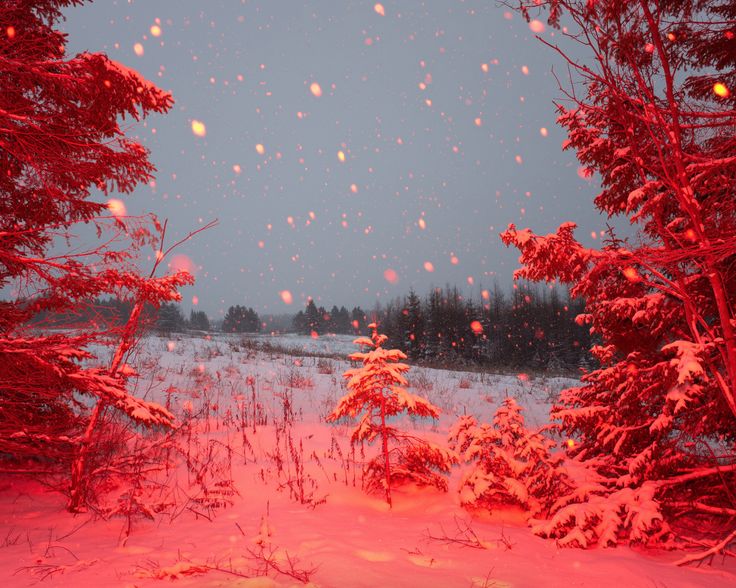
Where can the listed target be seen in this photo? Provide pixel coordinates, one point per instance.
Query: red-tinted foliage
(658, 419)
(376, 392)
(60, 141)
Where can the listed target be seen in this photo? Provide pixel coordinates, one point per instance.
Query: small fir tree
(510, 465)
(376, 392)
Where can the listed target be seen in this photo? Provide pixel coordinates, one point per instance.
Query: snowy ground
(296, 504)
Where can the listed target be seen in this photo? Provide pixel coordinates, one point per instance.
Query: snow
(348, 537)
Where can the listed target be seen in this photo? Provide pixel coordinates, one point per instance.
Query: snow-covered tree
(509, 464)
(376, 393)
(653, 113)
(60, 139)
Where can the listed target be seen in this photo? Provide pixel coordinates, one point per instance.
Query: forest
(575, 428)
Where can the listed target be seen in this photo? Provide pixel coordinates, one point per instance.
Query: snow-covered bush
(376, 392)
(510, 465)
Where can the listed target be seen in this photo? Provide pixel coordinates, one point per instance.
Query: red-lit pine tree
(376, 392)
(654, 114)
(509, 464)
(60, 138)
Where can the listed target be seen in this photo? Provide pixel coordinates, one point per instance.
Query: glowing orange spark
(182, 263)
(116, 207)
(315, 89)
(721, 90)
(286, 297)
(631, 274)
(536, 26)
(429, 266)
(391, 276)
(155, 30)
(476, 327)
(199, 128)
(138, 49)
(380, 10)
(260, 149)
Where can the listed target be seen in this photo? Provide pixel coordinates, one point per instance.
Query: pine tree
(414, 326)
(170, 318)
(376, 392)
(198, 320)
(657, 421)
(60, 138)
(510, 465)
(313, 318)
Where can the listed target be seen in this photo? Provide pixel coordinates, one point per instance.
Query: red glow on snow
(380, 10)
(171, 345)
(391, 276)
(199, 128)
(536, 26)
(138, 49)
(286, 297)
(429, 266)
(10, 32)
(315, 89)
(181, 263)
(721, 90)
(523, 377)
(116, 207)
(314, 335)
(476, 327)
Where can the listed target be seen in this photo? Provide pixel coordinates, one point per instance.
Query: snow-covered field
(267, 494)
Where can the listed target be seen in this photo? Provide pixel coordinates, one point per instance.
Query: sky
(349, 150)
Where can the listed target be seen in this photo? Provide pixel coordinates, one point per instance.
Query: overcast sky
(430, 128)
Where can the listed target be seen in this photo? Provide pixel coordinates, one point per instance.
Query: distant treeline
(529, 326)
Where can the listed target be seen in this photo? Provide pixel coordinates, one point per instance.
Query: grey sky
(244, 69)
